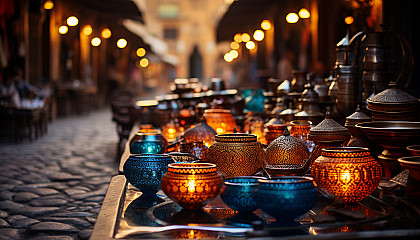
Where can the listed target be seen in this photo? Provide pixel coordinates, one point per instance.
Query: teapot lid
(328, 130)
(358, 115)
(393, 95)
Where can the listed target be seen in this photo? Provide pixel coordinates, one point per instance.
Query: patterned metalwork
(349, 173)
(191, 185)
(236, 154)
(393, 104)
(286, 149)
(238, 193)
(144, 171)
(286, 198)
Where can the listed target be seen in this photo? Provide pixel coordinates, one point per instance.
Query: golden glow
(191, 186)
(72, 21)
(141, 52)
(228, 58)
(87, 30)
(220, 130)
(171, 130)
(95, 41)
(234, 45)
(48, 5)
(121, 43)
(144, 63)
(234, 53)
(345, 176)
(245, 37)
(63, 29)
(250, 45)
(349, 20)
(258, 35)
(265, 24)
(292, 18)
(237, 38)
(106, 33)
(304, 13)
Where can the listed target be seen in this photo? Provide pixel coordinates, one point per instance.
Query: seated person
(9, 95)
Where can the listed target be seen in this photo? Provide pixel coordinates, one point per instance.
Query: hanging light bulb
(95, 41)
(72, 21)
(265, 24)
(292, 18)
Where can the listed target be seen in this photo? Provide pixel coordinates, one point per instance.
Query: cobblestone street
(53, 187)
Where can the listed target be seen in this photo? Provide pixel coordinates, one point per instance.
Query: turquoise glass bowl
(145, 171)
(286, 198)
(238, 193)
(148, 142)
(144, 147)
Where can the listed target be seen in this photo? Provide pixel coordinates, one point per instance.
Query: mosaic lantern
(300, 129)
(286, 149)
(191, 185)
(236, 154)
(221, 120)
(171, 130)
(350, 173)
(144, 171)
(200, 133)
(274, 131)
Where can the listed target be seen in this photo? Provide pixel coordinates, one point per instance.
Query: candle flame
(191, 185)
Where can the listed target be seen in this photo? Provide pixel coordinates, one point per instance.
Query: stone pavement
(53, 187)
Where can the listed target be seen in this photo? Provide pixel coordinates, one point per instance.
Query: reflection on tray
(165, 219)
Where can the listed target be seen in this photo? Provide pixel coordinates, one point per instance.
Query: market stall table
(127, 215)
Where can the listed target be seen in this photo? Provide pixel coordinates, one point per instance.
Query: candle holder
(349, 173)
(144, 171)
(148, 142)
(221, 120)
(286, 198)
(236, 154)
(191, 185)
(238, 193)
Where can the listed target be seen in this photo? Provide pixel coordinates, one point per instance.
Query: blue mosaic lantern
(145, 171)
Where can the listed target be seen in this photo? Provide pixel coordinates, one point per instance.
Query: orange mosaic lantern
(349, 173)
(300, 129)
(221, 120)
(191, 185)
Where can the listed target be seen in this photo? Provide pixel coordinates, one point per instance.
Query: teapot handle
(406, 52)
(354, 40)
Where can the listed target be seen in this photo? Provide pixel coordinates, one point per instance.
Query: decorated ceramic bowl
(238, 193)
(286, 198)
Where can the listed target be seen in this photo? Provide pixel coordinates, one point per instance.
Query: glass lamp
(221, 120)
